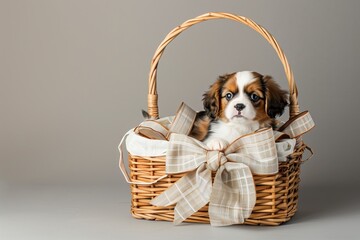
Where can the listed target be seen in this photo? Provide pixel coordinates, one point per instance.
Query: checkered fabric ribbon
(232, 196)
(163, 128)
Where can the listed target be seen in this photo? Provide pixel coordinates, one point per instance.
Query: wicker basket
(277, 195)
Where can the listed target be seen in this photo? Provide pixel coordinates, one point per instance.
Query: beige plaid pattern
(298, 125)
(184, 120)
(162, 128)
(233, 196)
(152, 129)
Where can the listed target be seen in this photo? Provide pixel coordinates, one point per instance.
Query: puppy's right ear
(212, 98)
(276, 98)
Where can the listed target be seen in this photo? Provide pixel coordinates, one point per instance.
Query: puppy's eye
(229, 96)
(254, 97)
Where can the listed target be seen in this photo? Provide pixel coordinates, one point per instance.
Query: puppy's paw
(217, 144)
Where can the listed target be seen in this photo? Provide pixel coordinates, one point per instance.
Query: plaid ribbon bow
(232, 196)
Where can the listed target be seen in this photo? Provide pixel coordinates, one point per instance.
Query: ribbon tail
(233, 197)
(190, 193)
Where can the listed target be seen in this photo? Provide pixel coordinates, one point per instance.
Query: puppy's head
(245, 96)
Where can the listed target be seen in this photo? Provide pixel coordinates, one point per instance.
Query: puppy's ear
(276, 98)
(212, 98)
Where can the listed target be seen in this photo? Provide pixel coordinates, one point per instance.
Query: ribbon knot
(215, 159)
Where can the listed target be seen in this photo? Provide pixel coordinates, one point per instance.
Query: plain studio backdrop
(74, 78)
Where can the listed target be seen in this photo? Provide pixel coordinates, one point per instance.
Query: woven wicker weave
(277, 195)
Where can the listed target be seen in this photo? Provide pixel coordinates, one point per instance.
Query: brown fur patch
(214, 104)
(201, 126)
(257, 87)
(229, 86)
(276, 98)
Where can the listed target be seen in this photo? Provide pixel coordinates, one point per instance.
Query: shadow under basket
(276, 194)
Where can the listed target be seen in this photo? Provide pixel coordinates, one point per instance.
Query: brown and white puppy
(238, 104)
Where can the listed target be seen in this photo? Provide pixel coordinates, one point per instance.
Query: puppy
(237, 104)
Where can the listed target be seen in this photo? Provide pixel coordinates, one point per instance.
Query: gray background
(73, 80)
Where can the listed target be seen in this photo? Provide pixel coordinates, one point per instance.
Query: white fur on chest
(229, 131)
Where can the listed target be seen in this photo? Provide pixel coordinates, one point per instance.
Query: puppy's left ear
(276, 98)
(212, 98)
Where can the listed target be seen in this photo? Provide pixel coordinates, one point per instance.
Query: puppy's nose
(239, 106)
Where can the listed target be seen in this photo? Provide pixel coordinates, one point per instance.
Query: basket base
(202, 217)
(276, 195)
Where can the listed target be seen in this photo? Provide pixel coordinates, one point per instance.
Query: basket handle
(153, 108)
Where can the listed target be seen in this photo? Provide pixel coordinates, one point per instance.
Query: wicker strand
(153, 110)
(153, 103)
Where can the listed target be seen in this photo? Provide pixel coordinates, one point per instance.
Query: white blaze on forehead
(249, 113)
(244, 78)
